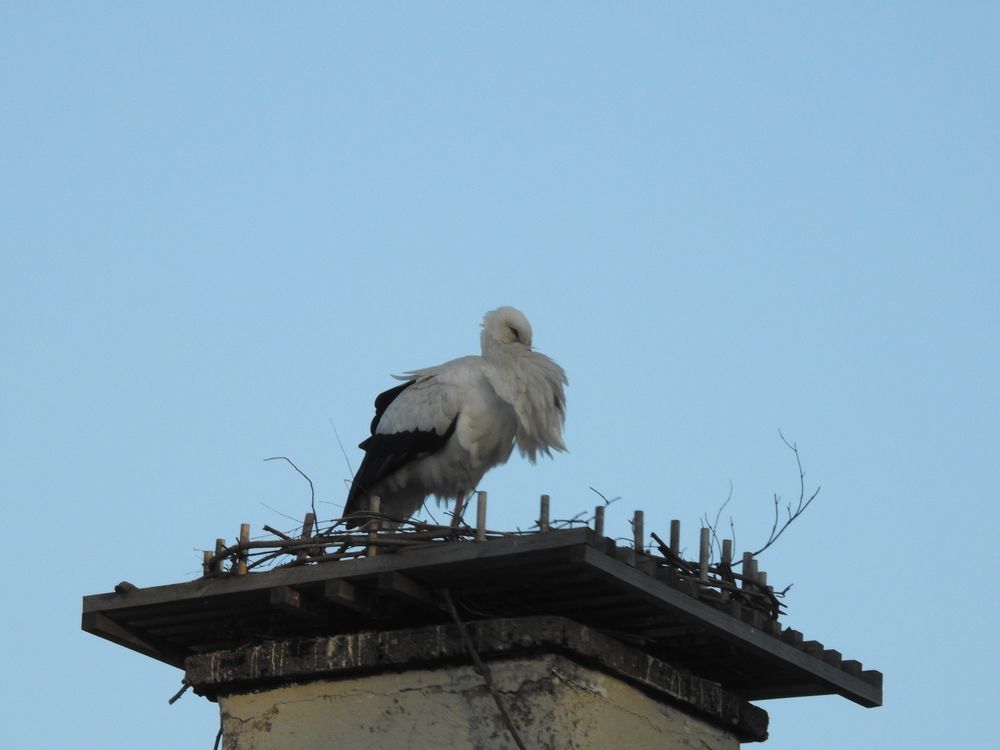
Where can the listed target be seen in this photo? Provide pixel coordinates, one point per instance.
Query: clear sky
(224, 225)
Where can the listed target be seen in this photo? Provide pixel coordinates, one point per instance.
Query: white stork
(446, 426)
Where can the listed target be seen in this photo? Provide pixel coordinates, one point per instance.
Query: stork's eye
(513, 330)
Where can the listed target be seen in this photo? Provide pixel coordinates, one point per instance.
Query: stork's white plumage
(446, 426)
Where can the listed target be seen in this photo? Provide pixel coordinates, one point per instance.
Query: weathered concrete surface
(554, 703)
(349, 658)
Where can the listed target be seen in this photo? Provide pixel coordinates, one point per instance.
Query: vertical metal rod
(241, 557)
(307, 529)
(703, 553)
(762, 580)
(675, 537)
(638, 532)
(726, 562)
(543, 514)
(480, 516)
(220, 563)
(599, 520)
(749, 570)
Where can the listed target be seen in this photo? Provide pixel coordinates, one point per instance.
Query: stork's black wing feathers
(383, 400)
(385, 453)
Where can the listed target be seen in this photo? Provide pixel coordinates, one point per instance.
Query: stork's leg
(456, 514)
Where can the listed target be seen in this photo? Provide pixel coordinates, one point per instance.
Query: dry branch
(799, 508)
(312, 489)
(776, 530)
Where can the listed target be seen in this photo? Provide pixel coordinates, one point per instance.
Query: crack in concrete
(579, 682)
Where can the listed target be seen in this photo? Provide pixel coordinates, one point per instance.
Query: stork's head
(506, 325)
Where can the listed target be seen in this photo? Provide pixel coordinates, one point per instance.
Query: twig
(673, 559)
(337, 435)
(481, 667)
(411, 533)
(266, 559)
(562, 523)
(713, 527)
(275, 510)
(799, 508)
(428, 511)
(604, 498)
(177, 696)
(312, 489)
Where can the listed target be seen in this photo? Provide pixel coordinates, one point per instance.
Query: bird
(444, 427)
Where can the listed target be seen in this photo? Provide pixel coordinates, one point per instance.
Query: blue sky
(224, 227)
